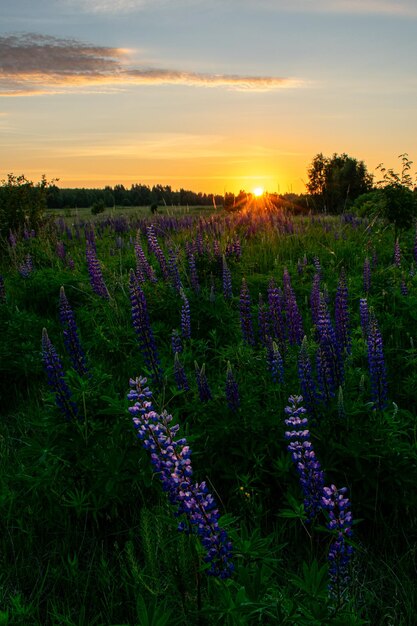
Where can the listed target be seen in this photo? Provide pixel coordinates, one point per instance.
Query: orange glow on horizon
(258, 191)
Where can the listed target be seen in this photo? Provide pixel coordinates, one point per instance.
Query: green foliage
(98, 207)
(22, 203)
(335, 182)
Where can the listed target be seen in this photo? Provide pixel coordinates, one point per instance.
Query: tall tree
(335, 182)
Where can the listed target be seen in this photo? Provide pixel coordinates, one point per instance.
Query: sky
(213, 96)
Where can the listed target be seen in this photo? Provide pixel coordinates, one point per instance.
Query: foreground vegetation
(89, 536)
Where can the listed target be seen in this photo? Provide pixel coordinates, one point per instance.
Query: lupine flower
(60, 249)
(26, 267)
(232, 391)
(202, 383)
(397, 253)
(376, 365)
(263, 322)
(275, 362)
(329, 356)
(364, 315)
(193, 272)
(246, 315)
(142, 326)
(176, 342)
(367, 275)
(156, 249)
(340, 551)
(404, 290)
(294, 319)
(71, 340)
(227, 280)
(315, 298)
(276, 308)
(180, 375)
(70, 263)
(55, 373)
(316, 263)
(143, 268)
(303, 456)
(305, 375)
(171, 462)
(185, 316)
(342, 314)
(173, 270)
(96, 276)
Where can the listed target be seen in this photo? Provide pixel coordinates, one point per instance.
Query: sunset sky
(211, 96)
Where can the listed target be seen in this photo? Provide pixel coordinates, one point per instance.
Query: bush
(22, 203)
(98, 207)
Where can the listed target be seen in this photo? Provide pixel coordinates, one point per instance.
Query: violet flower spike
(71, 339)
(55, 374)
(171, 463)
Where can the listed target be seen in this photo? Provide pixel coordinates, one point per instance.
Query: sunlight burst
(258, 191)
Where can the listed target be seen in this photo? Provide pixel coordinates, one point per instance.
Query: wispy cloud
(38, 64)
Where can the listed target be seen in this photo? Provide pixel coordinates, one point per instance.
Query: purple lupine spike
(315, 298)
(376, 364)
(142, 326)
(70, 263)
(246, 314)
(342, 314)
(364, 315)
(26, 267)
(96, 276)
(185, 316)
(180, 375)
(305, 375)
(303, 456)
(366, 275)
(193, 272)
(156, 249)
(340, 550)
(227, 280)
(294, 319)
(275, 362)
(329, 356)
(397, 253)
(237, 249)
(71, 339)
(60, 250)
(316, 263)
(404, 289)
(216, 249)
(263, 322)
(232, 391)
(173, 270)
(55, 374)
(143, 268)
(202, 383)
(276, 315)
(171, 462)
(176, 342)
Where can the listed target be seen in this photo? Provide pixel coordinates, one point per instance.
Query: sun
(258, 191)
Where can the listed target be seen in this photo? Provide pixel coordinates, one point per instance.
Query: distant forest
(136, 195)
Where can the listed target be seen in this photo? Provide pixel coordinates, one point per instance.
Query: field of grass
(263, 307)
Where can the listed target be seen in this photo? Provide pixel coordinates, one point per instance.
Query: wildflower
(364, 315)
(294, 319)
(376, 365)
(193, 272)
(246, 315)
(227, 280)
(276, 314)
(305, 375)
(156, 249)
(143, 268)
(342, 314)
(171, 462)
(275, 362)
(315, 298)
(340, 551)
(303, 456)
(263, 322)
(232, 391)
(185, 316)
(180, 375)
(202, 383)
(176, 342)
(366, 275)
(329, 357)
(55, 374)
(142, 326)
(71, 340)
(26, 267)
(173, 270)
(96, 276)
(397, 253)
